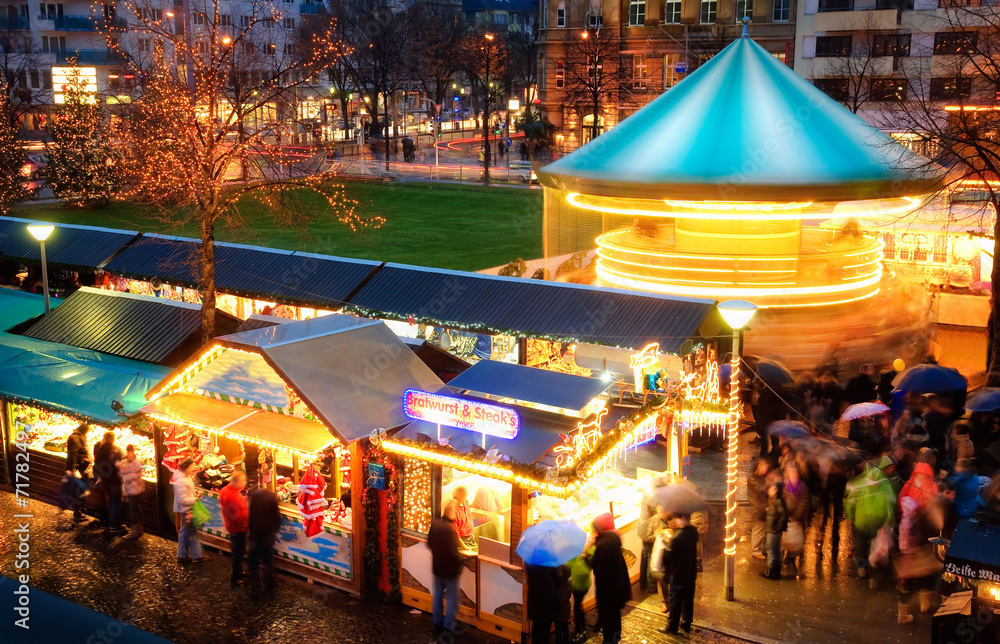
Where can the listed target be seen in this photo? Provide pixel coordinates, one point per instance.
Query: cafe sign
(458, 412)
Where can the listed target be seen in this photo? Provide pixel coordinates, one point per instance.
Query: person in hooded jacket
(613, 588)
(548, 602)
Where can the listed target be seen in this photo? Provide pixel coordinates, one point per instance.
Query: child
(775, 523)
(579, 579)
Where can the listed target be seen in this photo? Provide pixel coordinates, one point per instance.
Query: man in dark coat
(548, 602)
(106, 457)
(446, 566)
(681, 566)
(262, 529)
(862, 387)
(77, 461)
(612, 586)
(776, 522)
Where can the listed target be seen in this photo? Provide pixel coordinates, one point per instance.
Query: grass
(442, 225)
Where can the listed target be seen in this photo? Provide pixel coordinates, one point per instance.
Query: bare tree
(213, 102)
(435, 58)
(523, 49)
(485, 58)
(595, 72)
(26, 84)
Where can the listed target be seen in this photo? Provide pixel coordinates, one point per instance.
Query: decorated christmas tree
(12, 160)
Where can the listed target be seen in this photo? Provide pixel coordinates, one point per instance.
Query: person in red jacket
(235, 517)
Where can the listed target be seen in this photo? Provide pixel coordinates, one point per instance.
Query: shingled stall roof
(249, 271)
(532, 308)
(69, 246)
(139, 327)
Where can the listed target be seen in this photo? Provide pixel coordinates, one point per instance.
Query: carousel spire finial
(746, 27)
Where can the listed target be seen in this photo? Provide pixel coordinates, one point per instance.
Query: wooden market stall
(286, 402)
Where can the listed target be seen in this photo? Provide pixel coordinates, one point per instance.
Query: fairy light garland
(417, 495)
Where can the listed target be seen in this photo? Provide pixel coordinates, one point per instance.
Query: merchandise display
(47, 432)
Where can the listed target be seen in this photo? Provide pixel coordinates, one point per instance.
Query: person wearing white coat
(185, 496)
(130, 471)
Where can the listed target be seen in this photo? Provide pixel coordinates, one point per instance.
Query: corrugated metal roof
(532, 308)
(285, 276)
(138, 327)
(528, 384)
(68, 245)
(260, 321)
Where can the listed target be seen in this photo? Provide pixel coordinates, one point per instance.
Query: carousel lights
(702, 210)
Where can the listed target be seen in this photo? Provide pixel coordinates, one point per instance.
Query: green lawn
(441, 225)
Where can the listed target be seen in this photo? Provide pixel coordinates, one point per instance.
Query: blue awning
(73, 381)
(528, 384)
(18, 306)
(973, 551)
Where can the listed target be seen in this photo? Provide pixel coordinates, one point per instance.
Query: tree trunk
(993, 373)
(207, 278)
(486, 135)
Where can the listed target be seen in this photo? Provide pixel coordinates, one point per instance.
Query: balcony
(89, 57)
(18, 23)
(85, 23)
(309, 8)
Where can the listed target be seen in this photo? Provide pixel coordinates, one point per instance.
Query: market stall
(292, 405)
(973, 562)
(48, 389)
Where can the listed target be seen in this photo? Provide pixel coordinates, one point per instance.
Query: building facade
(601, 60)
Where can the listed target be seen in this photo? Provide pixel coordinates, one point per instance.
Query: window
(36, 80)
(561, 15)
(594, 20)
(53, 44)
(640, 71)
(151, 15)
(46, 79)
(269, 23)
(225, 20)
(944, 89)
(672, 12)
(143, 45)
(50, 11)
(594, 74)
(836, 5)
(269, 48)
(891, 45)
(289, 24)
(202, 46)
(199, 18)
(289, 49)
(887, 89)
(288, 1)
(954, 42)
(782, 9)
(560, 74)
(708, 11)
(636, 13)
(744, 9)
(499, 18)
(835, 88)
(670, 75)
(245, 21)
(827, 46)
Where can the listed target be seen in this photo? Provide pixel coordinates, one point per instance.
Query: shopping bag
(793, 539)
(881, 547)
(199, 514)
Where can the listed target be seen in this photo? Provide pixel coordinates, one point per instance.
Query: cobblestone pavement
(140, 583)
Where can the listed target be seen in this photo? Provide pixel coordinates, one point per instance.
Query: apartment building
(642, 48)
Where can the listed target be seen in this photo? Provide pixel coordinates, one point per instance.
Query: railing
(20, 23)
(86, 23)
(89, 57)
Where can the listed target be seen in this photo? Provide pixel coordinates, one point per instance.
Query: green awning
(73, 381)
(18, 306)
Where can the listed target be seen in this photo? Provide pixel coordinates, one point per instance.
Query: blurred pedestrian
(446, 566)
(185, 496)
(130, 471)
(798, 503)
(106, 457)
(776, 522)
(870, 507)
(681, 566)
(579, 578)
(613, 587)
(965, 483)
(263, 523)
(78, 463)
(757, 493)
(235, 518)
(548, 602)
(646, 527)
(862, 387)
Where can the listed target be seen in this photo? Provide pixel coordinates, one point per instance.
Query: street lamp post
(486, 114)
(41, 233)
(736, 313)
(513, 107)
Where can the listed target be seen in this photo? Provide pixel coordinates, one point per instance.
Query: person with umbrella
(613, 587)
(545, 548)
(680, 561)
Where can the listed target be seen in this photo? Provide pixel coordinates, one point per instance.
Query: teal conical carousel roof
(744, 127)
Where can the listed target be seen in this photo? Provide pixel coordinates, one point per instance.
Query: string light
(417, 495)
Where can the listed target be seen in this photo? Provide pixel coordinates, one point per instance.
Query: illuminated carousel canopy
(743, 127)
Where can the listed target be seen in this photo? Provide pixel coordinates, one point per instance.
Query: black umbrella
(771, 372)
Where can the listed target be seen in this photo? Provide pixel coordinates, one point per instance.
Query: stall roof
(348, 371)
(260, 321)
(75, 381)
(292, 433)
(538, 434)
(534, 308)
(975, 545)
(17, 307)
(69, 245)
(139, 327)
(251, 271)
(439, 360)
(528, 384)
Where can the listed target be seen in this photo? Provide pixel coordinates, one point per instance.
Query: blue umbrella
(931, 379)
(788, 429)
(984, 400)
(551, 543)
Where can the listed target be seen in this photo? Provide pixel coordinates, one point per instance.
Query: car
(36, 166)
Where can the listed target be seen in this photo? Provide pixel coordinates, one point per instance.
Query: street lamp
(41, 233)
(736, 313)
(486, 113)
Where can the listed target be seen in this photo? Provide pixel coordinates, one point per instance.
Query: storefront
(291, 405)
(973, 563)
(527, 445)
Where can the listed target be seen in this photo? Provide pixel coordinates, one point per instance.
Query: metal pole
(45, 278)
(437, 137)
(733, 434)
